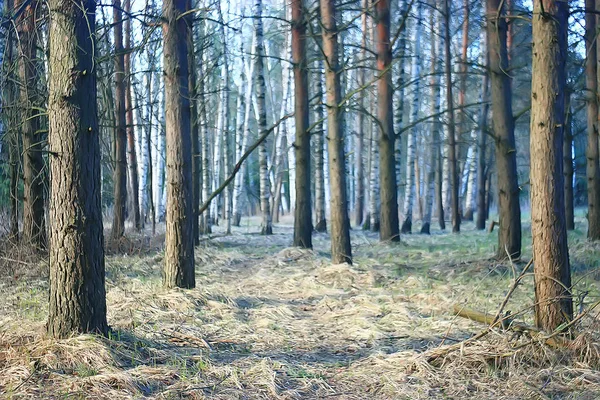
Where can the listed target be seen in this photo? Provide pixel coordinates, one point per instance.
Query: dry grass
(272, 322)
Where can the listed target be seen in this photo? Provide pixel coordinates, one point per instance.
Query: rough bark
(552, 274)
(318, 136)
(34, 226)
(179, 239)
(568, 164)
(388, 215)
(195, 127)
(131, 148)
(205, 217)
(302, 213)
(265, 191)
(452, 161)
(592, 152)
(509, 232)
(482, 144)
(359, 196)
(120, 156)
(77, 291)
(341, 250)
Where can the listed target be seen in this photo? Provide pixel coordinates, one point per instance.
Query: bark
(462, 89)
(435, 142)
(568, 164)
(179, 240)
(359, 207)
(482, 143)
(389, 222)
(120, 156)
(133, 163)
(552, 274)
(195, 128)
(205, 217)
(34, 226)
(400, 89)
(452, 161)
(509, 232)
(592, 151)
(77, 290)
(265, 191)
(341, 250)
(302, 214)
(318, 135)
(411, 147)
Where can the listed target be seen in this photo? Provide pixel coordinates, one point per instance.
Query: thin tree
(261, 111)
(302, 214)
(452, 161)
(568, 164)
(388, 222)
(592, 151)
(318, 136)
(503, 126)
(553, 303)
(341, 250)
(77, 291)
(120, 146)
(179, 239)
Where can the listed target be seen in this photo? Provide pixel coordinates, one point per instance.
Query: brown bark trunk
(552, 274)
(341, 250)
(77, 292)
(133, 163)
(452, 161)
(302, 213)
(509, 232)
(195, 128)
(592, 152)
(463, 129)
(388, 215)
(120, 156)
(34, 226)
(179, 240)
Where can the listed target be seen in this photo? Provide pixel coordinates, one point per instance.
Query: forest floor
(268, 321)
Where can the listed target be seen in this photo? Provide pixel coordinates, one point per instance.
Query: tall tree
(179, 239)
(261, 111)
(388, 221)
(302, 214)
(34, 227)
(120, 156)
(553, 303)
(452, 161)
(592, 151)
(318, 136)
(341, 250)
(195, 125)
(568, 164)
(359, 207)
(131, 148)
(482, 142)
(77, 291)
(503, 126)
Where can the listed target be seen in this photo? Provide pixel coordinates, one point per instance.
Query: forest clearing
(267, 321)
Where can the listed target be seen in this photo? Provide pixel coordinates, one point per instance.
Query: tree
(388, 220)
(341, 250)
(592, 151)
(509, 232)
(265, 191)
(34, 226)
(77, 292)
(568, 164)
(452, 161)
(318, 136)
(302, 213)
(179, 238)
(120, 167)
(553, 304)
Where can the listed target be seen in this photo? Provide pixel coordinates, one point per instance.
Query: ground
(268, 321)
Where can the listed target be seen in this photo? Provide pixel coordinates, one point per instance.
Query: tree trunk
(389, 223)
(195, 128)
(120, 156)
(482, 141)
(509, 232)
(462, 91)
(452, 161)
(411, 147)
(435, 142)
(179, 239)
(205, 217)
(77, 291)
(318, 135)
(133, 163)
(341, 250)
(265, 191)
(359, 208)
(552, 275)
(34, 226)
(302, 214)
(568, 164)
(592, 151)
